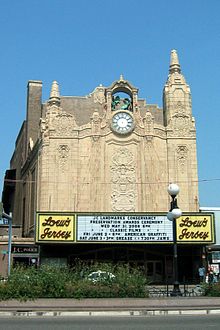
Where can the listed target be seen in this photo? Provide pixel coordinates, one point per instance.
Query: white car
(100, 276)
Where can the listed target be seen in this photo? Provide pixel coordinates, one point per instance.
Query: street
(201, 322)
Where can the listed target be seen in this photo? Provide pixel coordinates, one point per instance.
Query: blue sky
(82, 44)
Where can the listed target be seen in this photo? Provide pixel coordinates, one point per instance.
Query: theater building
(88, 178)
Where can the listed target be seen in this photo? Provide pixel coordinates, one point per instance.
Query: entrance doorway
(154, 271)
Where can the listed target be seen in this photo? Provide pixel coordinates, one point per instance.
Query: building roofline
(209, 208)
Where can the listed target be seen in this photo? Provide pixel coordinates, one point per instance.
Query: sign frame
(200, 223)
(121, 215)
(56, 214)
(75, 227)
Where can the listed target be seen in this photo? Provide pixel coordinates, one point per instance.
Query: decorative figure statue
(115, 101)
(126, 105)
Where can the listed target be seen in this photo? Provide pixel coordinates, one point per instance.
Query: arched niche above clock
(121, 101)
(121, 95)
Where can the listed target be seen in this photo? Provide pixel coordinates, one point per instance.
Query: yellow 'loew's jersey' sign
(195, 228)
(56, 227)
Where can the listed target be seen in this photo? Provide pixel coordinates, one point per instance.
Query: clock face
(122, 122)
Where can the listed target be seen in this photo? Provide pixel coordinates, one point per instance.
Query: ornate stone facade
(84, 163)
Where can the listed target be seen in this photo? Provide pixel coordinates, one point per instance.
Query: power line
(97, 182)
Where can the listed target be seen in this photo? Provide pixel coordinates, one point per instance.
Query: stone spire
(174, 62)
(180, 133)
(54, 94)
(176, 93)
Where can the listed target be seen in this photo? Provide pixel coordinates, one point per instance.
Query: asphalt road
(201, 322)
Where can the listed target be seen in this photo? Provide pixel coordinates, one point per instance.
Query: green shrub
(4, 292)
(63, 282)
(131, 281)
(212, 289)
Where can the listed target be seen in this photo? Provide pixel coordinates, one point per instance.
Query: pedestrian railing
(166, 291)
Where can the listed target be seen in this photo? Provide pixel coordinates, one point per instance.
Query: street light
(173, 214)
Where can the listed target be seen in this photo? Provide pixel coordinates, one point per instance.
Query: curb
(141, 313)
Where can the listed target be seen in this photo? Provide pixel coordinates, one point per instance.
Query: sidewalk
(111, 306)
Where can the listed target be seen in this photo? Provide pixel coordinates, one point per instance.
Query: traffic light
(1, 210)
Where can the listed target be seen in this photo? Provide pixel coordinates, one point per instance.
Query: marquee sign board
(63, 227)
(123, 228)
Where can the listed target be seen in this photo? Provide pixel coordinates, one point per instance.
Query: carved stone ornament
(96, 124)
(180, 107)
(123, 202)
(63, 124)
(182, 158)
(99, 95)
(181, 124)
(123, 179)
(148, 123)
(44, 129)
(63, 152)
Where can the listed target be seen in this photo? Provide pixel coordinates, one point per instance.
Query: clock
(122, 122)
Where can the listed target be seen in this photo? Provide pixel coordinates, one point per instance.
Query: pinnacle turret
(174, 62)
(176, 93)
(54, 94)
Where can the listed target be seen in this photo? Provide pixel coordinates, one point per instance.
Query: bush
(4, 292)
(130, 281)
(212, 289)
(63, 282)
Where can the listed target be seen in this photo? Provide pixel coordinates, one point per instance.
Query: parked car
(100, 276)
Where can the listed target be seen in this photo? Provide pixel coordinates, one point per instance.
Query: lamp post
(173, 214)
